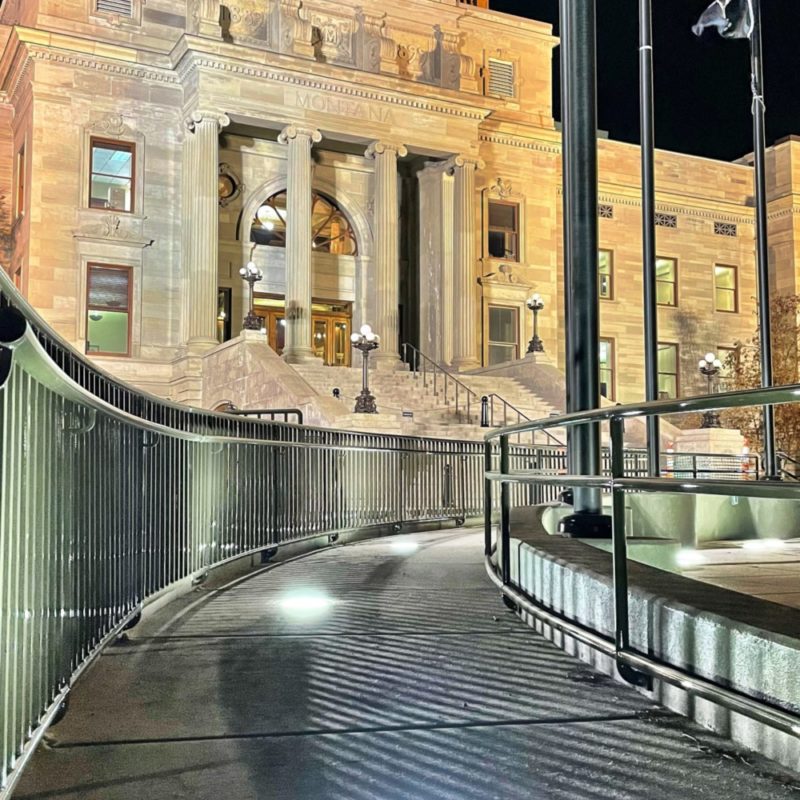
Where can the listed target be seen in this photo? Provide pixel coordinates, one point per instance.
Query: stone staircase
(418, 405)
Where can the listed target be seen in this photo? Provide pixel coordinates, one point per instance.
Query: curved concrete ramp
(383, 670)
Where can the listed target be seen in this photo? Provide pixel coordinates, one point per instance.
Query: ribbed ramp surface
(382, 670)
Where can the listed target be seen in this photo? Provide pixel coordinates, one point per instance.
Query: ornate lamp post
(535, 304)
(365, 341)
(252, 274)
(710, 367)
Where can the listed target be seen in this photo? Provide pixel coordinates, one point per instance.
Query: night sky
(702, 86)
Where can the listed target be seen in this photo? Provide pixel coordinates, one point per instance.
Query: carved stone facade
(462, 98)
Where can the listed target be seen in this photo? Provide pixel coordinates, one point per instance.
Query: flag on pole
(733, 19)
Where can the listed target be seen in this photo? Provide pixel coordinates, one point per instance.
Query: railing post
(505, 513)
(484, 412)
(487, 499)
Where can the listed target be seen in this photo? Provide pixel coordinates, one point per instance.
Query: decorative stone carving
(114, 228)
(502, 188)
(448, 58)
(111, 125)
(333, 37)
(293, 29)
(230, 185)
(374, 48)
(204, 18)
(250, 26)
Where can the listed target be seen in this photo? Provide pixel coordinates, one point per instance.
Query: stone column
(386, 213)
(436, 261)
(466, 324)
(297, 349)
(201, 227)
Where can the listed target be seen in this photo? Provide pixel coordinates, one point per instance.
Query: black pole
(566, 164)
(762, 247)
(649, 228)
(580, 246)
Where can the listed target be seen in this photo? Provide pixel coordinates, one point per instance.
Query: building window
(223, 315)
(607, 369)
(108, 310)
(725, 295)
(331, 231)
(503, 232)
(501, 78)
(605, 277)
(112, 179)
(605, 211)
(19, 200)
(666, 220)
(503, 334)
(666, 281)
(667, 371)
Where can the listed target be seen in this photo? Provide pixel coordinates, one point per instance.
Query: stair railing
(466, 401)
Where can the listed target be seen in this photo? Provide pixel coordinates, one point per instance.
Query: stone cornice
(103, 65)
(316, 83)
(516, 141)
(672, 207)
(794, 210)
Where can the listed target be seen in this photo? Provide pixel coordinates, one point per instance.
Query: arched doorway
(331, 235)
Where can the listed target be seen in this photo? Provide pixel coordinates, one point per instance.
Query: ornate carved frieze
(204, 17)
(502, 188)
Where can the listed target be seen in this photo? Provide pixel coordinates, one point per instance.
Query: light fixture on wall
(95, 316)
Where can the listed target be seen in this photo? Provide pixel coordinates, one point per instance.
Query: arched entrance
(332, 236)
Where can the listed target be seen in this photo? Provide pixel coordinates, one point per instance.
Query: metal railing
(788, 467)
(636, 667)
(465, 401)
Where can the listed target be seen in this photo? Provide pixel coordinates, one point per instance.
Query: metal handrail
(635, 667)
(785, 458)
(272, 413)
(473, 399)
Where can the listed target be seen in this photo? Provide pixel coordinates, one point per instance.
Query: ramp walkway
(381, 670)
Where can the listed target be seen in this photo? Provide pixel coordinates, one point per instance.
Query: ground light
(305, 602)
(687, 557)
(404, 547)
(762, 544)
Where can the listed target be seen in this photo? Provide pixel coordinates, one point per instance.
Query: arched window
(330, 230)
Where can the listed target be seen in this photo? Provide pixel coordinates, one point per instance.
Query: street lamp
(365, 341)
(252, 274)
(535, 304)
(710, 366)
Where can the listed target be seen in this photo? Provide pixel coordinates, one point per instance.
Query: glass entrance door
(330, 328)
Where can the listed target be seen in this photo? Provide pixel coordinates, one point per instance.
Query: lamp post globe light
(365, 340)
(535, 304)
(710, 366)
(252, 275)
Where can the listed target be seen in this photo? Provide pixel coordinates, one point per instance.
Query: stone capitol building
(395, 164)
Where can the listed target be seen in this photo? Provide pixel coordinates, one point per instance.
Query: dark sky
(702, 86)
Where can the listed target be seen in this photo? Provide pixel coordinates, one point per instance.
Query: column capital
(293, 131)
(378, 148)
(470, 162)
(201, 115)
(437, 168)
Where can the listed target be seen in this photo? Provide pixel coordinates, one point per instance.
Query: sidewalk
(384, 670)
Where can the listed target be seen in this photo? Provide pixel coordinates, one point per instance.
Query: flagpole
(566, 42)
(649, 227)
(762, 248)
(580, 252)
